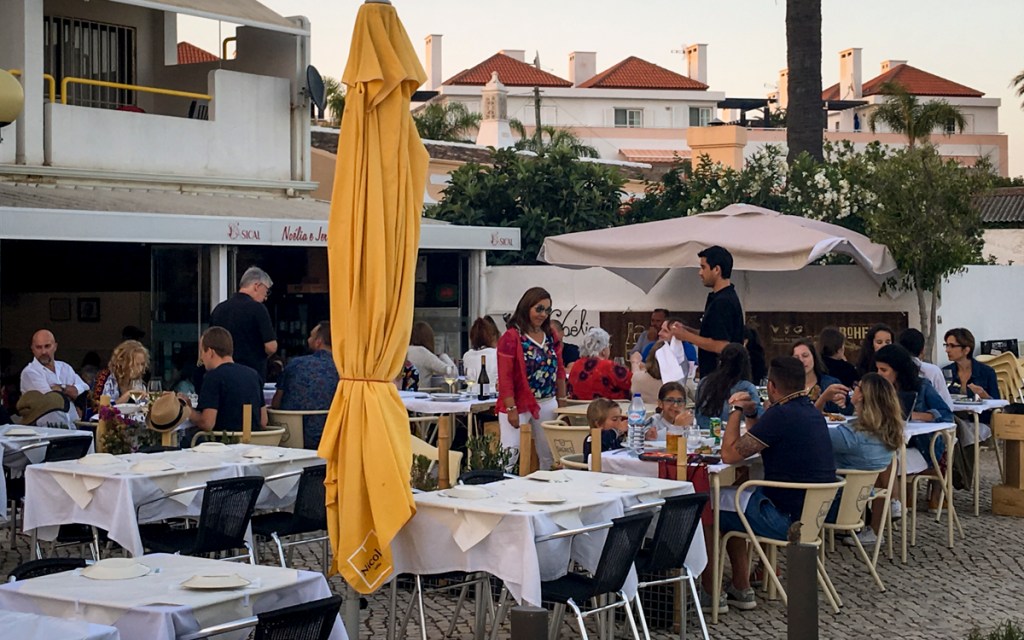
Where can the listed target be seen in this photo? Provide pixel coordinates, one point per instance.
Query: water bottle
(635, 434)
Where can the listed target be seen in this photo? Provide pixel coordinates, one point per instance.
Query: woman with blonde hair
(124, 373)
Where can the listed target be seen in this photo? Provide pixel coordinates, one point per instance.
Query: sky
(974, 43)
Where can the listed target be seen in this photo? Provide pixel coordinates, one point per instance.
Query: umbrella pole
(350, 611)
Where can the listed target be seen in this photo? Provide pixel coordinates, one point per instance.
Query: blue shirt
(704, 422)
(308, 383)
(981, 374)
(854, 449)
(929, 401)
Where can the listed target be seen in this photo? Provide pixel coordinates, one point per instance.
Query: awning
(246, 12)
(655, 155)
(166, 216)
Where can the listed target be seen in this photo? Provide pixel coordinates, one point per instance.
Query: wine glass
(451, 374)
(155, 386)
(947, 374)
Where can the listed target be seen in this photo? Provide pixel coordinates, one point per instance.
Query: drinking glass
(693, 439)
(948, 376)
(451, 374)
(619, 361)
(155, 386)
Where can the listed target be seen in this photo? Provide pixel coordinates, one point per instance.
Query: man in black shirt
(722, 321)
(247, 319)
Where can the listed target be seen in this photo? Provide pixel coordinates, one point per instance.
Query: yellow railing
(224, 46)
(47, 77)
(131, 87)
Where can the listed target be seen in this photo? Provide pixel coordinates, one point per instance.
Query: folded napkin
(79, 488)
(567, 519)
(474, 528)
(283, 486)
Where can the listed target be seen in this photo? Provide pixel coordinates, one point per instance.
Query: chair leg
(558, 615)
(696, 605)
(867, 560)
(391, 610)
(408, 608)
(499, 617)
(824, 582)
(458, 609)
(419, 603)
(828, 581)
(643, 618)
(579, 619)
(629, 616)
(252, 554)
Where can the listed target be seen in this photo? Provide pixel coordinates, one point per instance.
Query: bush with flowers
(125, 434)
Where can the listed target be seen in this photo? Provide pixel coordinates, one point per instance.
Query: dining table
(157, 605)
(946, 431)
(442, 404)
(13, 438)
(108, 494)
(974, 409)
(496, 534)
(33, 626)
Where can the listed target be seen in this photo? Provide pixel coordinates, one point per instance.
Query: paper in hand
(670, 357)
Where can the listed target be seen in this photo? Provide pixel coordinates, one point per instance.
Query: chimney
(783, 90)
(697, 62)
(850, 85)
(889, 64)
(434, 78)
(494, 130)
(518, 54)
(582, 67)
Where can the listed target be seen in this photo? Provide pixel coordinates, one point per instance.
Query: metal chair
(563, 439)
(307, 621)
(625, 537)
(224, 518)
(483, 476)
(308, 516)
(37, 568)
(575, 461)
(292, 421)
(850, 517)
(677, 524)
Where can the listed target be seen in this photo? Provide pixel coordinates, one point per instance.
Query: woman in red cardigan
(531, 376)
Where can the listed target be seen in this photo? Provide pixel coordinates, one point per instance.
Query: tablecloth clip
(245, 599)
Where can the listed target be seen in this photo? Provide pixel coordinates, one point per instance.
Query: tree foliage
(334, 99)
(551, 138)
(1018, 82)
(542, 195)
(447, 122)
(903, 113)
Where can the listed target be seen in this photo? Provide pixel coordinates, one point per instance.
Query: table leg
(350, 611)
(483, 590)
(906, 503)
(716, 542)
(977, 465)
(950, 436)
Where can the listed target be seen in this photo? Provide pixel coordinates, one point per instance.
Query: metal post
(350, 611)
(801, 591)
(529, 623)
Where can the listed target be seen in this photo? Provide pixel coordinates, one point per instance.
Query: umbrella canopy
(759, 240)
(372, 241)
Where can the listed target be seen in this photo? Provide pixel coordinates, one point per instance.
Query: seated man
(795, 446)
(227, 387)
(308, 383)
(45, 373)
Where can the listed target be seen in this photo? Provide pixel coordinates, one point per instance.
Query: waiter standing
(722, 321)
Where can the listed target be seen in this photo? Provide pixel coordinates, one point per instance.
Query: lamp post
(12, 97)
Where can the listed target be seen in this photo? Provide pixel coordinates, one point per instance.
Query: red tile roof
(511, 72)
(917, 82)
(189, 53)
(636, 73)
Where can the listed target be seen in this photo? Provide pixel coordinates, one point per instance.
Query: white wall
(9, 143)
(986, 300)
(1005, 245)
(247, 135)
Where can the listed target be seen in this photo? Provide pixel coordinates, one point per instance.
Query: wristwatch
(735, 407)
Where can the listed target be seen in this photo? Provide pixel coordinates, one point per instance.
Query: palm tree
(551, 138)
(1018, 81)
(448, 122)
(334, 99)
(903, 113)
(804, 120)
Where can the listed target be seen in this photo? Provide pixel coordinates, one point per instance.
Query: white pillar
(21, 47)
(219, 268)
(301, 148)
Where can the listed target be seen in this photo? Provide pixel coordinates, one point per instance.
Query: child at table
(605, 414)
(671, 411)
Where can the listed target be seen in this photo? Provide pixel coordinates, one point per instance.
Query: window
(629, 118)
(700, 116)
(93, 50)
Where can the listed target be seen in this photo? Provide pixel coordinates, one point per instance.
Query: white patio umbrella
(759, 240)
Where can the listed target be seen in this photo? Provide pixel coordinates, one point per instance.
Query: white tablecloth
(983, 406)
(16, 461)
(31, 626)
(497, 535)
(422, 403)
(156, 607)
(106, 496)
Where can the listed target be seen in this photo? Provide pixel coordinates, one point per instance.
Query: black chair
(625, 537)
(37, 568)
(308, 516)
(666, 551)
(225, 515)
(483, 476)
(70, 448)
(307, 621)
(158, 448)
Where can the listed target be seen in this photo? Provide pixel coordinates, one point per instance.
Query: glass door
(180, 309)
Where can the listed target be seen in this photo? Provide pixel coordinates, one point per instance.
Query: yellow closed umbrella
(372, 242)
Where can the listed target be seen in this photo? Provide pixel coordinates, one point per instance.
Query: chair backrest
(307, 621)
(569, 402)
(678, 520)
(44, 567)
(856, 495)
(292, 421)
(620, 548)
(311, 499)
(70, 448)
(817, 502)
(482, 476)
(575, 461)
(563, 439)
(227, 508)
(421, 448)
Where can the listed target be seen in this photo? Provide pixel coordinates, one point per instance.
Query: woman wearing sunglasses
(531, 376)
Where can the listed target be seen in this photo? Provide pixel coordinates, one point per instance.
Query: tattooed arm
(736, 448)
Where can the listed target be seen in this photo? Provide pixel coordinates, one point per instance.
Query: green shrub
(1008, 630)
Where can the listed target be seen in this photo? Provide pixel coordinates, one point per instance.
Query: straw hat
(33, 405)
(166, 413)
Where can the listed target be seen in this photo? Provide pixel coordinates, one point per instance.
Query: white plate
(466, 492)
(16, 432)
(263, 454)
(970, 402)
(543, 497)
(548, 476)
(213, 582)
(656, 444)
(96, 459)
(152, 466)
(446, 397)
(624, 482)
(210, 447)
(128, 408)
(115, 569)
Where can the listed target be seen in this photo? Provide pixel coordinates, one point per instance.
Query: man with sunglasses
(246, 317)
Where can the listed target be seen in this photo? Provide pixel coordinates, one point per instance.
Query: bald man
(45, 373)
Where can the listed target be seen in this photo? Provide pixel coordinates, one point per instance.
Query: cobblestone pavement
(940, 593)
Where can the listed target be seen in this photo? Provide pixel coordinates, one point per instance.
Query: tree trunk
(805, 119)
(927, 308)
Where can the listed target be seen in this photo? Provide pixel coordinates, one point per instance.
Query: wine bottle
(483, 380)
